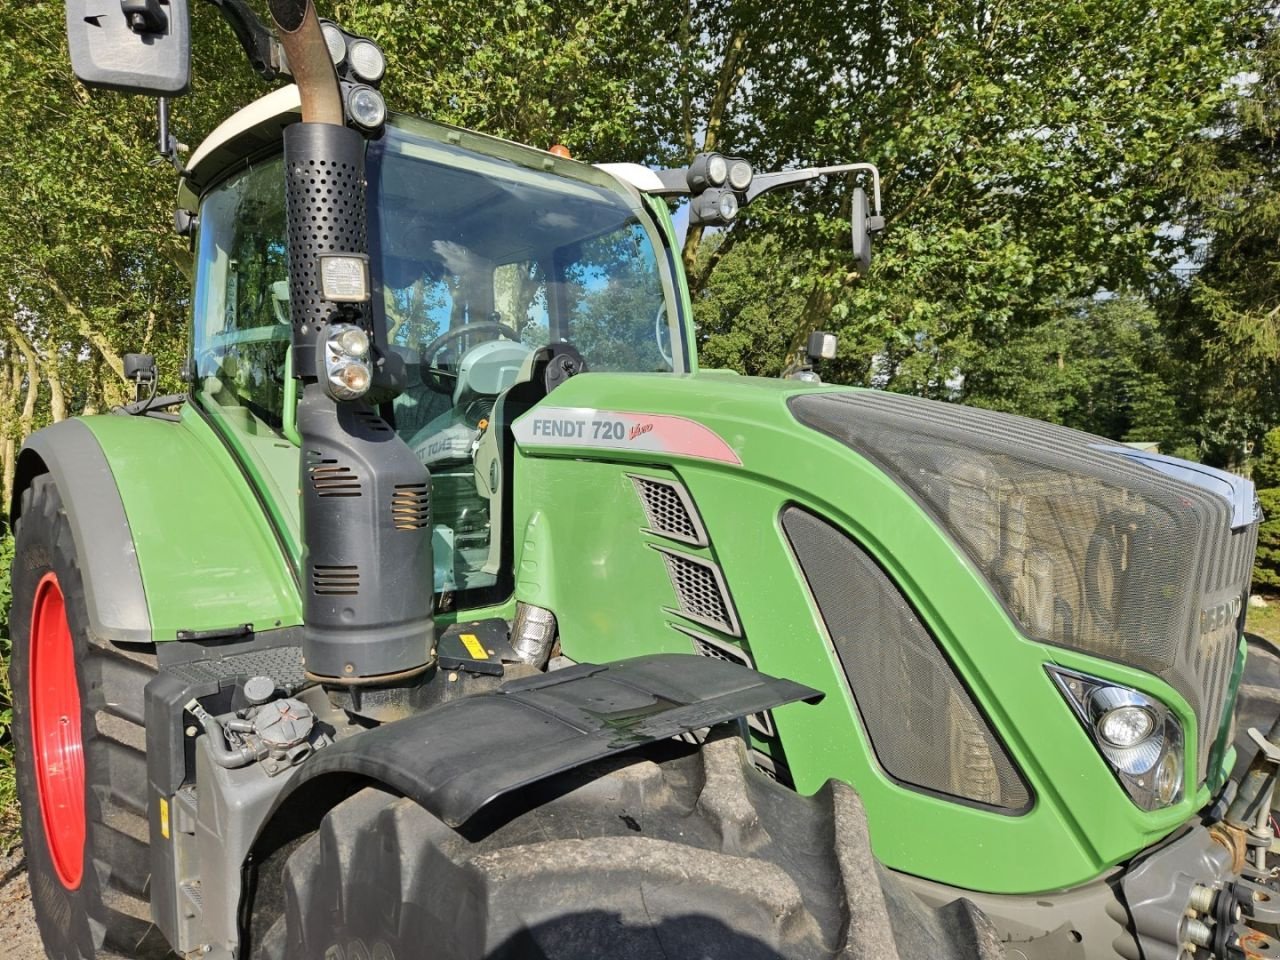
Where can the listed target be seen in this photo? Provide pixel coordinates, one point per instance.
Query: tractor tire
(79, 748)
(693, 854)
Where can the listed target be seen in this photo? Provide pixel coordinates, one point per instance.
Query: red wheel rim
(55, 732)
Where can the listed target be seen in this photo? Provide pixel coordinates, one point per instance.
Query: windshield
(485, 251)
(482, 251)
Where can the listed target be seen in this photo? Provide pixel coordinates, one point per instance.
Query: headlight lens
(366, 107)
(367, 61)
(1126, 726)
(740, 174)
(717, 169)
(1138, 736)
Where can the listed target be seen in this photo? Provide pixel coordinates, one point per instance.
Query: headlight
(1138, 736)
(346, 352)
(713, 206)
(740, 174)
(365, 107)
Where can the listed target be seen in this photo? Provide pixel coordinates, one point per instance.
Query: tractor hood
(1089, 545)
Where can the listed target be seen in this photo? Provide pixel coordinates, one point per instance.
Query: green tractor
(443, 615)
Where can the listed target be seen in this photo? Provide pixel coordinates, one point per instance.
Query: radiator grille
(923, 726)
(701, 591)
(1085, 548)
(723, 650)
(670, 510)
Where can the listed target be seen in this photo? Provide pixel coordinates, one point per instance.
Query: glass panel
(486, 254)
(241, 324)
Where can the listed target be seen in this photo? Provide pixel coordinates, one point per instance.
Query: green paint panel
(582, 553)
(208, 556)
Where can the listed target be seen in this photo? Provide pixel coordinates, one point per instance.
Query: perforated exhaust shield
(1085, 548)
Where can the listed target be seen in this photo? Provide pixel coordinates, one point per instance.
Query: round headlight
(1168, 779)
(349, 380)
(740, 175)
(367, 61)
(335, 41)
(366, 107)
(727, 206)
(717, 169)
(354, 342)
(1126, 726)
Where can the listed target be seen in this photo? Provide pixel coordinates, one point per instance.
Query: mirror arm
(675, 183)
(259, 43)
(765, 182)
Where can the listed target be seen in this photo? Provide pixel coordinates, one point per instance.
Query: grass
(1265, 621)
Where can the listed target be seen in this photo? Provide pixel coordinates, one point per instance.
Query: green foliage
(1266, 468)
(1266, 569)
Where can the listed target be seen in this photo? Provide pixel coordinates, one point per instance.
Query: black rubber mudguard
(457, 757)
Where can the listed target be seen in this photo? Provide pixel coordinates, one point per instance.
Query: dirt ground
(19, 939)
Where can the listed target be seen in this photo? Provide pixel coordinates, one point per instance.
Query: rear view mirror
(862, 228)
(134, 46)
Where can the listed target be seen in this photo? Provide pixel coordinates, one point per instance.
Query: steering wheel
(432, 375)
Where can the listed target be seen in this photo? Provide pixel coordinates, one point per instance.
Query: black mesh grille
(922, 723)
(701, 592)
(670, 511)
(1086, 548)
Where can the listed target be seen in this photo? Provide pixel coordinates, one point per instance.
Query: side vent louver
(372, 422)
(411, 506)
(670, 510)
(720, 650)
(343, 581)
(331, 479)
(701, 591)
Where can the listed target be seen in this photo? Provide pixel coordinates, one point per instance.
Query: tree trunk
(57, 399)
(732, 70)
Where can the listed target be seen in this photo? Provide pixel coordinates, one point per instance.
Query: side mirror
(863, 226)
(134, 46)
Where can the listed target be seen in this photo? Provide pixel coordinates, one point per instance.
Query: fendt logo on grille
(1219, 616)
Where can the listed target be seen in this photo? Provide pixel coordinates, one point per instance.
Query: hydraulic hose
(309, 62)
(1256, 786)
(223, 756)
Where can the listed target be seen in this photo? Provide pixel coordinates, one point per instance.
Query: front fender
(170, 536)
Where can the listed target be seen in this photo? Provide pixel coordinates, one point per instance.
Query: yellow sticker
(164, 818)
(474, 646)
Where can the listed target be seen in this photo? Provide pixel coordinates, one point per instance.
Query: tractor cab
(481, 251)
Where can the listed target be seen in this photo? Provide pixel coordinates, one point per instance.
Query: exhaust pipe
(299, 31)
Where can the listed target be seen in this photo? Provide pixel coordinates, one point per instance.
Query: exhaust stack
(366, 527)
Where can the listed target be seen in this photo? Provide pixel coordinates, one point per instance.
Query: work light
(335, 40)
(367, 62)
(344, 277)
(707, 170)
(1139, 737)
(713, 207)
(365, 107)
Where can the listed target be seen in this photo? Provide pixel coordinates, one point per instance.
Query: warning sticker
(619, 430)
(474, 646)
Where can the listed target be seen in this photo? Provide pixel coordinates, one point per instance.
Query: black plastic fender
(456, 758)
(69, 452)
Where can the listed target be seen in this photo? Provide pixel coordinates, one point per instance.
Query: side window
(614, 306)
(241, 330)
